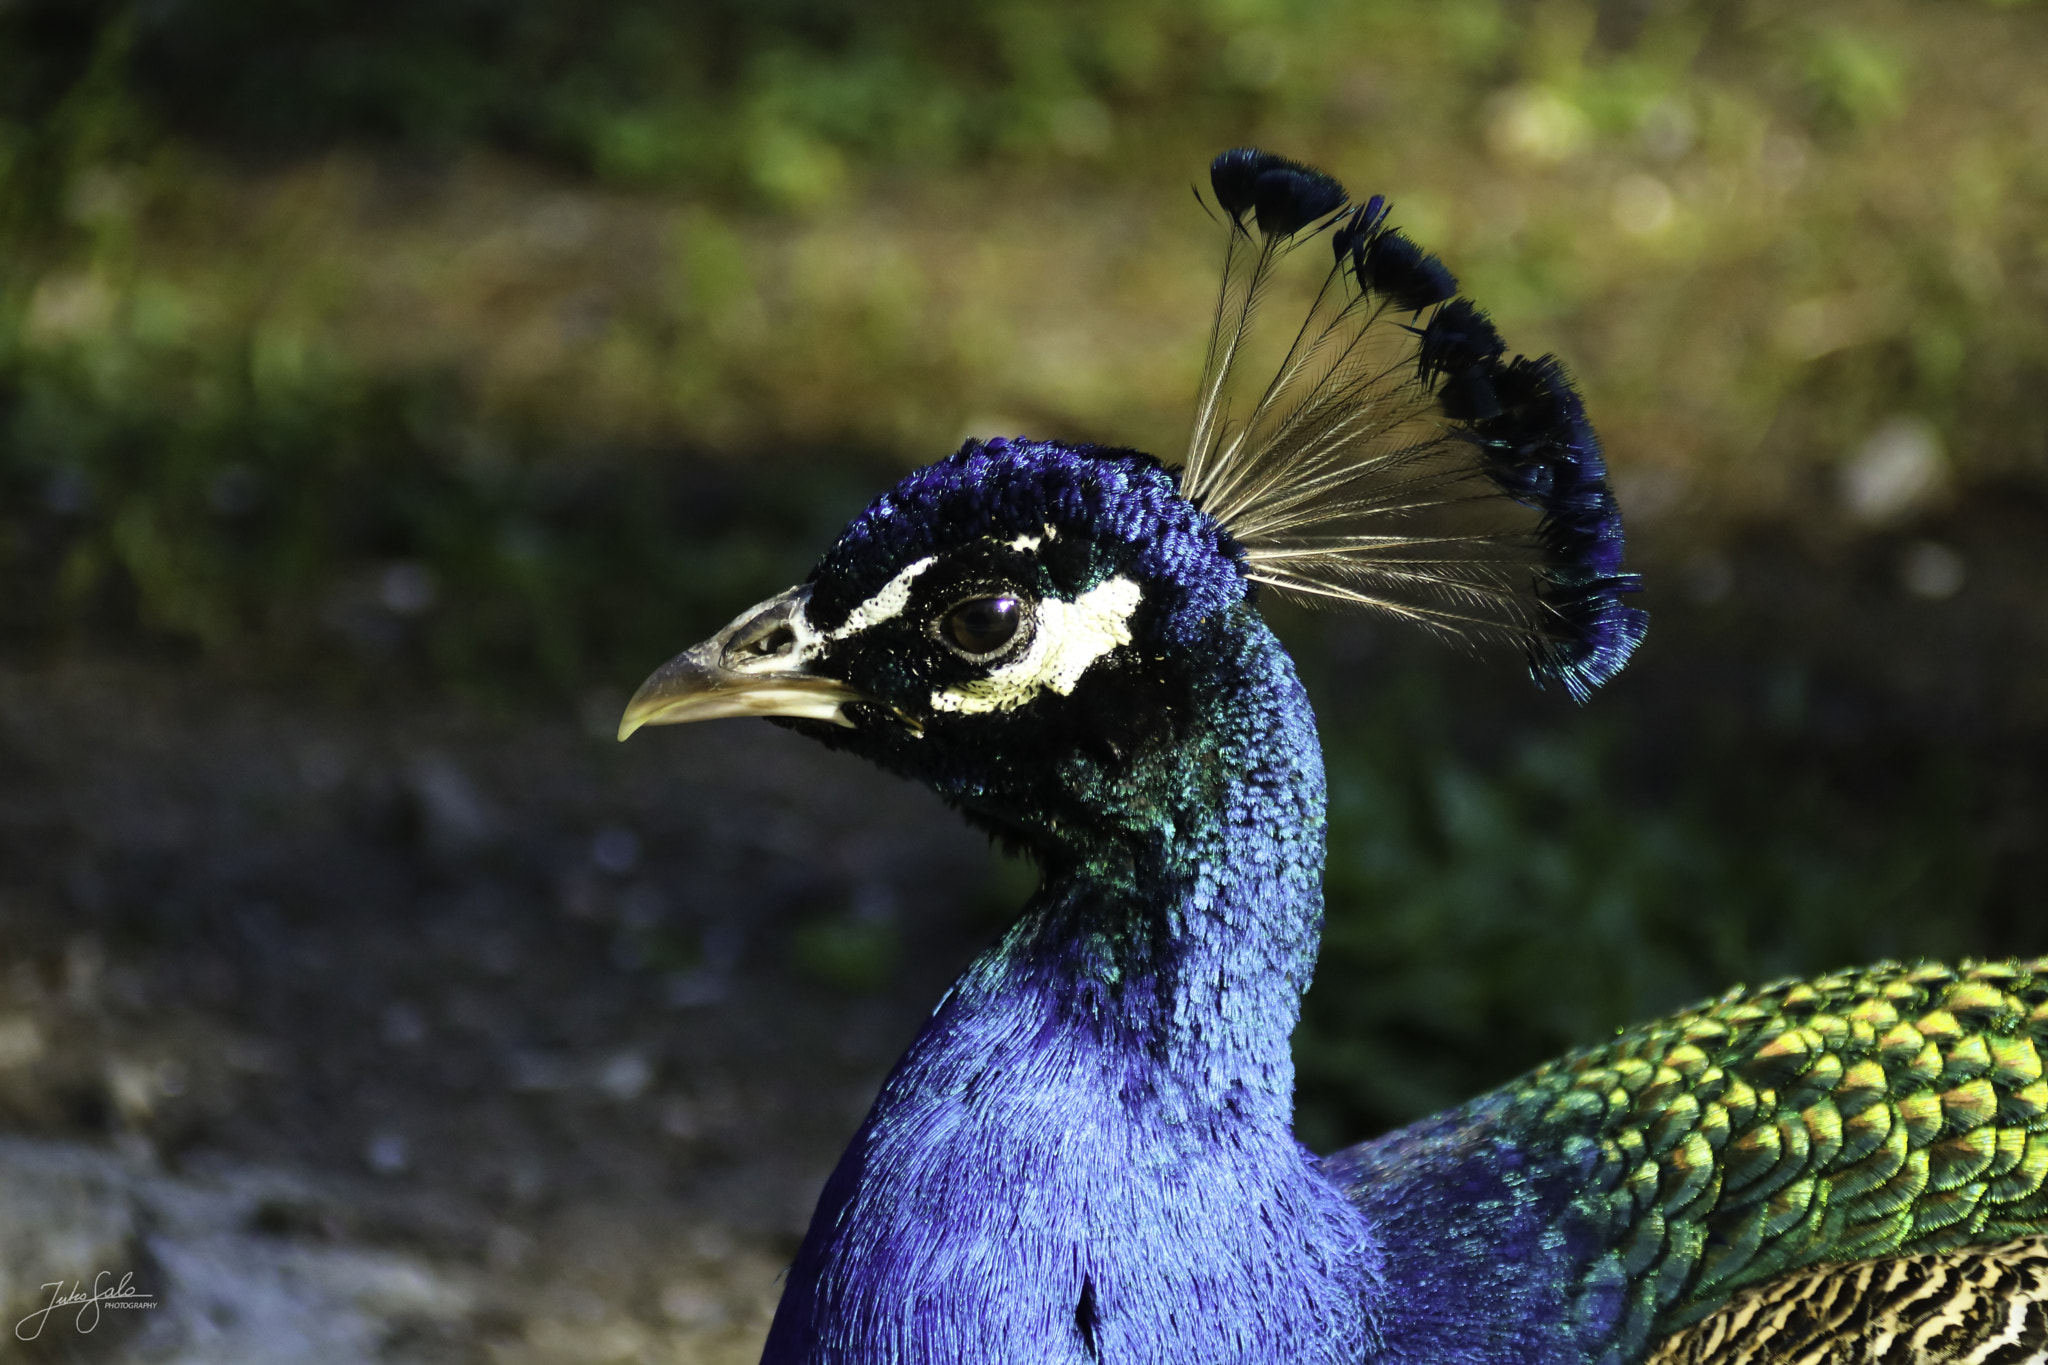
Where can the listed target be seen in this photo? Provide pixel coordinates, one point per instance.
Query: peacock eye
(981, 626)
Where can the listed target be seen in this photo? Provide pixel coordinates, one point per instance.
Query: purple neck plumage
(1087, 1154)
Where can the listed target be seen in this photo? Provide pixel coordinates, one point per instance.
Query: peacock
(1087, 1153)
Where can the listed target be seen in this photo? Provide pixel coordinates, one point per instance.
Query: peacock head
(1036, 629)
(1022, 625)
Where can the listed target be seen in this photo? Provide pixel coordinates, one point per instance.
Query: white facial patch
(1052, 532)
(1070, 636)
(886, 605)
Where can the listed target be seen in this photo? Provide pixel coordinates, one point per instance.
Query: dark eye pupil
(985, 624)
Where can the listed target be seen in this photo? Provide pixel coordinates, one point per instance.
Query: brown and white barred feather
(1980, 1306)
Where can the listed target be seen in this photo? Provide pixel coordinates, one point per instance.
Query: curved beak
(757, 666)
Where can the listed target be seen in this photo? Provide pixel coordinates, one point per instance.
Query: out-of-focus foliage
(1486, 916)
(419, 260)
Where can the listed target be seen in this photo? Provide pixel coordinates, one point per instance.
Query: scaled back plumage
(1884, 1112)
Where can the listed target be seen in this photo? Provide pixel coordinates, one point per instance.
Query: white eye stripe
(886, 605)
(1030, 542)
(889, 602)
(1067, 639)
(1070, 636)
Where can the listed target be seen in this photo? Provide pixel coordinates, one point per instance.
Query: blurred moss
(1854, 79)
(244, 247)
(363, 527)
(848, 953)
(1486, 914)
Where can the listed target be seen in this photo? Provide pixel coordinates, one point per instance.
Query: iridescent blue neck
(1088, 1152)
(1188, 935)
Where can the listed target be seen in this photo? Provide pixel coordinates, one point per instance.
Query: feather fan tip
(1283, 196)
(1408, 467)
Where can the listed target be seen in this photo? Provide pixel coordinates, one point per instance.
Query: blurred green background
(501, 347)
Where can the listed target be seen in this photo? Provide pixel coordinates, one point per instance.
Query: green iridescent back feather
(1890, 1110)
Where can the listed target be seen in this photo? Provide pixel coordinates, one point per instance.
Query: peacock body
(1087, 1155)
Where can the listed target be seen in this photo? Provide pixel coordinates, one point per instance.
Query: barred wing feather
(1980, 1306)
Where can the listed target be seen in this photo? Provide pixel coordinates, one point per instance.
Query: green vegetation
(262, 263)
(1488, 915)
(503, 347)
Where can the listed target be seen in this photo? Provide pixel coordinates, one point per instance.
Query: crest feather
(1397, 460)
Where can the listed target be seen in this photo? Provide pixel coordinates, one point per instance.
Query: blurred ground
(406, 1035)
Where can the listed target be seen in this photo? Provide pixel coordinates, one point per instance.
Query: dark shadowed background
(386, 388)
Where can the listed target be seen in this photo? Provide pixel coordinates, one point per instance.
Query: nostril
(777, 641)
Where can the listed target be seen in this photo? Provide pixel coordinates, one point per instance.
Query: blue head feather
(1385, 263)
(1360, 226)
(1087, 1155)
(1114, 511)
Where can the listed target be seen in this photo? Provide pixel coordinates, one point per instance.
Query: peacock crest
(1398, 460)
